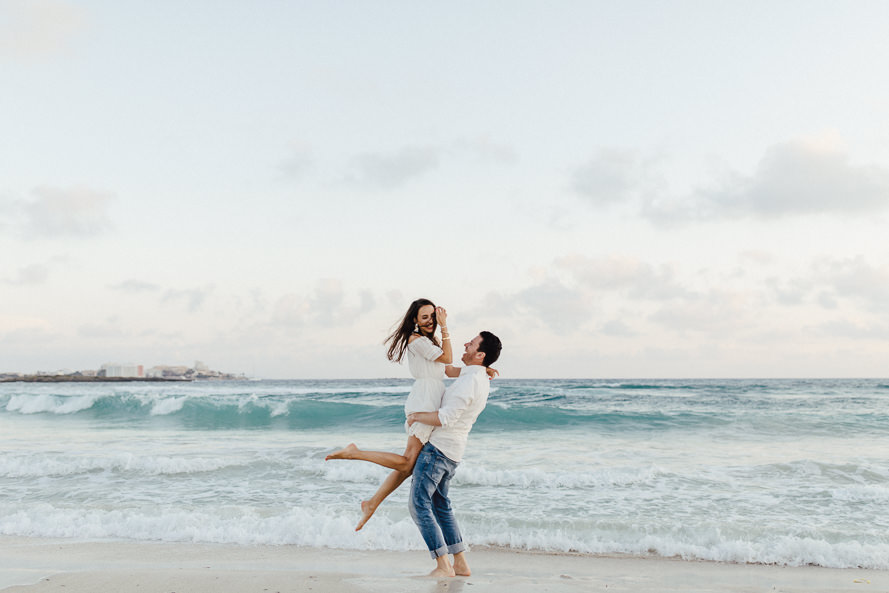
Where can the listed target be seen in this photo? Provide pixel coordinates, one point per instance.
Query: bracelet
(445, 338)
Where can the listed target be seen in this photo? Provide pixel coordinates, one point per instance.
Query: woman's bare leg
(391, 483)
(394, 461)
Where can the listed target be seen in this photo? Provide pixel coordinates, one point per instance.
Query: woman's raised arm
(447, 356)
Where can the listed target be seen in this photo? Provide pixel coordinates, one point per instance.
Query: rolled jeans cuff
(445, 550)
(456, 548)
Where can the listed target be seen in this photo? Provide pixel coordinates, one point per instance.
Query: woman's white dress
(428, 388)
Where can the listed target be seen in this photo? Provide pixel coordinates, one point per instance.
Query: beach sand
(42, 565)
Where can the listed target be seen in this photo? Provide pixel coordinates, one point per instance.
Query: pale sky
(616, 189)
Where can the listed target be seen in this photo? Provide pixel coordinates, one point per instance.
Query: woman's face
(426, 319)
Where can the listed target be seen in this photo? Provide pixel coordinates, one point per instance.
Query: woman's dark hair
(398, 339)
(491, 346)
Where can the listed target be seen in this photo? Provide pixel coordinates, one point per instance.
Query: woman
(428, 361)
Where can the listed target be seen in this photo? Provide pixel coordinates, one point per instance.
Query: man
(461, 404)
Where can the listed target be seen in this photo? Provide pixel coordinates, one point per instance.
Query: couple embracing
(438, 424)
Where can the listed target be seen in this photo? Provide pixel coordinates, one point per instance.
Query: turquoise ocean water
(767, 471)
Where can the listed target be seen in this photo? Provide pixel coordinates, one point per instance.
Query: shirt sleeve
(455, 401)
(424, 348)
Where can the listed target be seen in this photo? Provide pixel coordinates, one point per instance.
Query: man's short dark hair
(491, 346)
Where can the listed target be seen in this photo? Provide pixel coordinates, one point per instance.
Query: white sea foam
(535, 477)
(362, 390)
(867, 493)
(37, 404)
(165, 407)
(316, 527)
(355, 472)
(326, 527)
(280, 409)
(46, 465)
(784, 550)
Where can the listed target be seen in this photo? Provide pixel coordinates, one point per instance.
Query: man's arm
(456, 399)
(430, 418)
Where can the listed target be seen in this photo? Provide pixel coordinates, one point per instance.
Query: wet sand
(31, 565)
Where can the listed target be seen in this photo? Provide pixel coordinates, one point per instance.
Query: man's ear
(480, 357)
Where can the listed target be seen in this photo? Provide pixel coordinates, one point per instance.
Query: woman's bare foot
(367, 511)
(461, 567)
(344, 453)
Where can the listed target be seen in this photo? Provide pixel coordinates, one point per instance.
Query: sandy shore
(42, 565)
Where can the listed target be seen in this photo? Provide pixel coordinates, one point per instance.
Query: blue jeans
(429, 504)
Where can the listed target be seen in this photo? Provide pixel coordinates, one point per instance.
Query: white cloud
(73, 212)
(38, 28)
(789, 291)
(575, 291)
(611, 176)
(832, 283)
(135, 286)
(856, 279)
(635, 278)
(387, 170)
(392, 170)
(110, 328)
(35, 273)
(561, 309)
(30, 274)
(796, 178)
(297, 164)
(618, 328)
(792, 179)
(723, 314)
(843, 328)
(396, 298)
(10, 324)
(484, 149)
(192, 298)
(326, 306)
(548, 304)
(828, 300)
(757, 256)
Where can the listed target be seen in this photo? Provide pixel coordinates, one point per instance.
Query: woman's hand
(441, 317)
(491, 372)
(411, 418)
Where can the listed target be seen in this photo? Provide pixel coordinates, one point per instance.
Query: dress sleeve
(424, 348)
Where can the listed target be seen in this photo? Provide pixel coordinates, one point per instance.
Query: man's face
(471, 353)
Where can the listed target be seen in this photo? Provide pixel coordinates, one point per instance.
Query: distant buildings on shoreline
(114, 370)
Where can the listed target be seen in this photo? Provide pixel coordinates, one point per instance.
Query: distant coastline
(117, 373)
(84, 379)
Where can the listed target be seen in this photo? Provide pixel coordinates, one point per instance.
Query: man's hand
(411, 418)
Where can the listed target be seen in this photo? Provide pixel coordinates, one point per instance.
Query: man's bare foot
(345, 453)
(461, 568)
(367, 511)
(443, 568)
